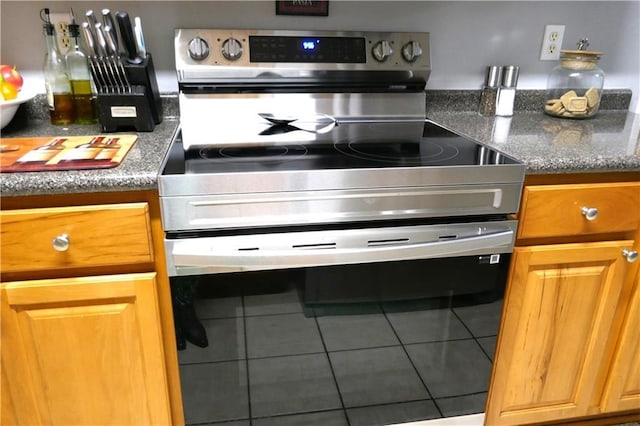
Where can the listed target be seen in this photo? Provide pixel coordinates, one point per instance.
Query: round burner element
(410, 152)
(254, 152)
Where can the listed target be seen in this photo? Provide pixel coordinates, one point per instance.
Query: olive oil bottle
(84, 100)
(57, 85)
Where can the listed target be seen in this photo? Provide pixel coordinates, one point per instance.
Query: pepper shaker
(489, 95)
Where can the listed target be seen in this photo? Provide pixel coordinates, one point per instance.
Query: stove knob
(382, 50)
(198, 49)
(231, 49)
(411, 51)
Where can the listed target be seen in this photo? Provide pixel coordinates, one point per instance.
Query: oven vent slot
(447, 237)
(389, 242)
(315, 246)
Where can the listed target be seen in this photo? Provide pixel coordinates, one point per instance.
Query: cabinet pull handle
(61, 242)
(630, 255)
(590, 213)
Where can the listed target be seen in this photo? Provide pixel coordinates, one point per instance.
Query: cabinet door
(559, 310)
(622, 391)
(83, 351)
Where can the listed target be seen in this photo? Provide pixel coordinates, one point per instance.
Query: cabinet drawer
(101, 235)
(560, 210)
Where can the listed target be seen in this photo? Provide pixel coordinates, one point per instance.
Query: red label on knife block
(63, 153)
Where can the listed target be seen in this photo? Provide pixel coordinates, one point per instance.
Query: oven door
(370, 326)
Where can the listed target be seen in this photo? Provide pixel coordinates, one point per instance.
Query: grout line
(246, 359)
(404, 349)
(333, 373)
(473, 335)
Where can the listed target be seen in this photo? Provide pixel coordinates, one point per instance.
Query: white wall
(465, 35)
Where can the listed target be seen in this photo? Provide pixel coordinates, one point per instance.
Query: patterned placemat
(63, 152)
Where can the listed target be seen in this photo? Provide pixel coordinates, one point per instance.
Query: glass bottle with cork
(574, 87)
(57, 85)
(84, 100)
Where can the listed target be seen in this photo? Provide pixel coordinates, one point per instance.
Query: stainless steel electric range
(305, 168)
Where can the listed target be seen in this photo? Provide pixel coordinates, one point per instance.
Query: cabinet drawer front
(562, 210)
(102, 235)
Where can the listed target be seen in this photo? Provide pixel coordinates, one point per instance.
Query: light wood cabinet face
(623, 387)
(84, 351)
(562, 301)
(103, 235)
(556, 210)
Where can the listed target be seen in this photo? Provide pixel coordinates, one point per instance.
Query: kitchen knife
(96, 71)
(128, 39)
(107, 21)
(104, 57)
(111, 40)
(139, 35)
(88, 35)
(92, 21)
(112, 45)
(101, 42)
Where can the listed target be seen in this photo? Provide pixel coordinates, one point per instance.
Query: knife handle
(107, 21)
(88, 35)
(101, 42)
(110, 38)
(128, 40)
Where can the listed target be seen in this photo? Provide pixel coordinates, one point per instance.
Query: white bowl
(8, 108)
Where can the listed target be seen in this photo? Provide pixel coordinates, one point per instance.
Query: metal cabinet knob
(630, 255)
(590, 213)
(61, 242)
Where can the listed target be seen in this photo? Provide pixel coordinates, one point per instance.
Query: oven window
(375, 344)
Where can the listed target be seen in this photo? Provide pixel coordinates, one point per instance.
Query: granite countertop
(137, 172)
(607, 142)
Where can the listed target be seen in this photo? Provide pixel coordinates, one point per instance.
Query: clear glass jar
(574, 87)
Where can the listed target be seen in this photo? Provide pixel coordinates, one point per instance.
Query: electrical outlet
(551, 42)
(61, 23)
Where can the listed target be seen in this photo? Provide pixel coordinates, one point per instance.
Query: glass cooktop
(345, 145)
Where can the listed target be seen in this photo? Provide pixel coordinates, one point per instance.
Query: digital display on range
(307, 49)
(310, 45)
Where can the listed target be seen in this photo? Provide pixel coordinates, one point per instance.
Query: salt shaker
(507, 91)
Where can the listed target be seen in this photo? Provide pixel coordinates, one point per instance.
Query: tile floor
(274, 361)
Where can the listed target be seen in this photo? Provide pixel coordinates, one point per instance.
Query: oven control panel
(209, 54)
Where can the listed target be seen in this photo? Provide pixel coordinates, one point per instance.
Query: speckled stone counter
(607, 142)
(137, 172)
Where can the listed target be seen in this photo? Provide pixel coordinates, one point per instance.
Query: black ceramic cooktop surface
(348, 145)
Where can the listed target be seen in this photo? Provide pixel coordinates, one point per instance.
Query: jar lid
(579, 59)
(587, 54)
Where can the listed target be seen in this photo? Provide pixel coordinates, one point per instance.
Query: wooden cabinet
(567, 347)
(84, 351)
(622, 391)
(102, 235)
(87, 330)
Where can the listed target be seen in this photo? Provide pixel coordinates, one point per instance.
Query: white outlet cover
(56, 19)
(551, 42)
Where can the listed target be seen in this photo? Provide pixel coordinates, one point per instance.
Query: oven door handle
(198, 258)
